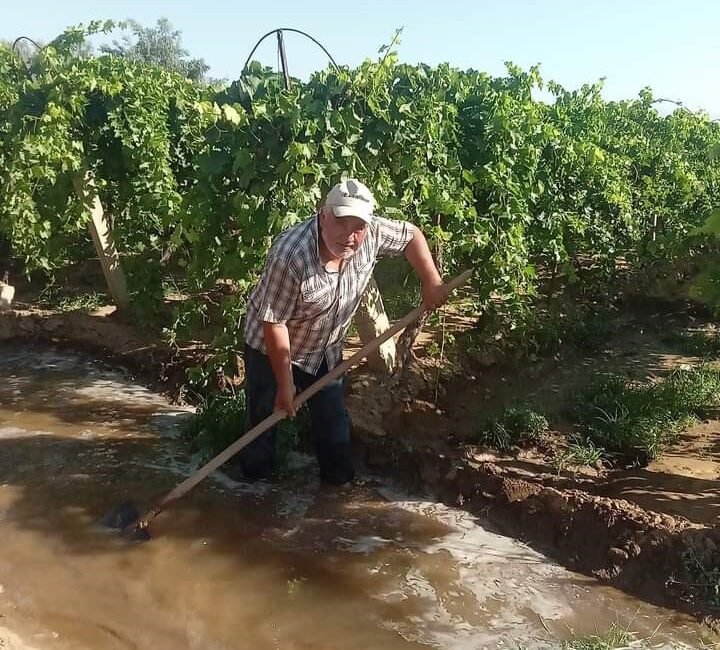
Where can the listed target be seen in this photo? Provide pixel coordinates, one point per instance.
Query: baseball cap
(351, 198)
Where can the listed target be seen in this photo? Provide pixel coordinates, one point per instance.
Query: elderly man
(299, 313)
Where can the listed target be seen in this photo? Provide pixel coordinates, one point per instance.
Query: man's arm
(276, 296)
(277, 345)
(418, 254)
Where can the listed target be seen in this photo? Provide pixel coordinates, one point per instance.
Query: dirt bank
(111, 338)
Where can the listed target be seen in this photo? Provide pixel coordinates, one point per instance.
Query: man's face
(342, 235)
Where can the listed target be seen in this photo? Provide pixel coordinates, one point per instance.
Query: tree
(160, 45)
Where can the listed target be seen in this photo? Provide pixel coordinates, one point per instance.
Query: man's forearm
(277, 345)
(418, 254)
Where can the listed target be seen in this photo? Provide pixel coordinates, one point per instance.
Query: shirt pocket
(317, 298)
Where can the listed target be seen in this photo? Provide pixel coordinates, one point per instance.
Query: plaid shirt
(317, 305)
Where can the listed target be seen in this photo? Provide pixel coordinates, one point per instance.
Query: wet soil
(285, 565)
(630, 528)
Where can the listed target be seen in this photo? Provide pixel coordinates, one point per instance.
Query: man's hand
(284, 399)
(434, 296)
(277, 343)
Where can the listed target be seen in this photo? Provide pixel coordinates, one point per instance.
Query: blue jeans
(328, 415)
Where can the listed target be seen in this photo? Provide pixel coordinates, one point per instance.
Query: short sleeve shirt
(317, 305)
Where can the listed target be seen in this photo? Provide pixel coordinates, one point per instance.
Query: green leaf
(712, 224)
(230, 114)
(242, 161)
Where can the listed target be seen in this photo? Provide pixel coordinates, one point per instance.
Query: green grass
(516, 425)
(220, 420)
(615, 637)
(637, 420)
(579, 452)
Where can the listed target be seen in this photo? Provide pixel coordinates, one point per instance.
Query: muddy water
(289, 566)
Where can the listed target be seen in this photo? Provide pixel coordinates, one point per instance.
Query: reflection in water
(285, 566)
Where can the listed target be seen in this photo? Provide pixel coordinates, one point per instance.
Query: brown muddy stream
(288, 566)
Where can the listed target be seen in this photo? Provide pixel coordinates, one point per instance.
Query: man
(300, 311)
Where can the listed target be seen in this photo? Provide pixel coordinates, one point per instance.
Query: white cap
(351, 199)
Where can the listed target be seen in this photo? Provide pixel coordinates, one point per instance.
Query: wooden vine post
(101, 233)
(371, 321)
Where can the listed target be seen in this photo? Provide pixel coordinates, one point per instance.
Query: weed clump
(638, 420)
(516, 425)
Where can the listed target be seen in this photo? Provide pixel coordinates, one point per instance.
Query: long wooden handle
(270, 421)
